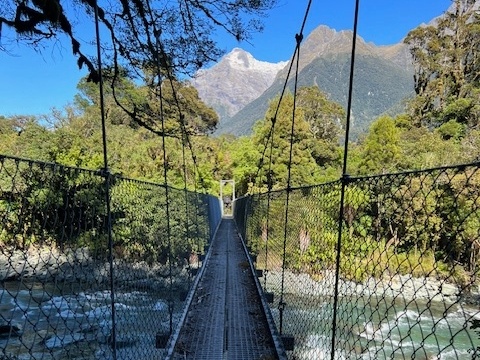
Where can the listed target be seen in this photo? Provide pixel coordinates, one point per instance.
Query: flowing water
(78, 324)
(49, 324)
(383, 328)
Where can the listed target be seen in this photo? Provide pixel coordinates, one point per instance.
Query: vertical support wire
(345, 181)
(282, 94)
(165, 180)
(298, 38)
(185, 190)
(197, 209)
(185, 138)
(296, 55)
(267, 235)
(269, 197)
(107, 176)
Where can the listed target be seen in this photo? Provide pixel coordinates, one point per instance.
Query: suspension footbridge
(227, 317)
(244, 288)
(94, 265)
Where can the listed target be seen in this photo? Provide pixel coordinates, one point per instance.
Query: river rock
(62, 340)
(10, 330)
(397, 286)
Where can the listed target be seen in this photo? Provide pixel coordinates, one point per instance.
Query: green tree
(187, 28)
(7, 134)
(133, 105)
(245, 159)
(24, 136)
(325, 119)
(381, 151)
(304, 169)
(182, 99)
(447, 67)
(146, 42)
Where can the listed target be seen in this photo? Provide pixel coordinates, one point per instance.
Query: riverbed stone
(10, 330)
(449, 289)
(398, 286)
(62, 340)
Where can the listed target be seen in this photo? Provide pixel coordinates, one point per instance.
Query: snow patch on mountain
(243, 60)
(236, 80)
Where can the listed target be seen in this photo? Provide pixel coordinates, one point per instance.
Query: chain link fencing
(395, 276)
(65, 292)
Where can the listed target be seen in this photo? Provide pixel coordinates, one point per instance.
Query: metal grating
(226, 319)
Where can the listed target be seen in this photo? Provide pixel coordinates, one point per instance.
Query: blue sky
(35, 82)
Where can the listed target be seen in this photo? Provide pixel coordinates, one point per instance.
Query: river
(380, 328)
(77, 324)
(46, 323)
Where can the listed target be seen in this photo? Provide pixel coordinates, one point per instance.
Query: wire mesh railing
(407, 284)
(63, 294)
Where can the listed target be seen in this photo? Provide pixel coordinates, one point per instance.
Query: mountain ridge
(240, 95)
(373, 94)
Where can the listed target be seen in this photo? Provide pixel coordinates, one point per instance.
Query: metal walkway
(226, 317)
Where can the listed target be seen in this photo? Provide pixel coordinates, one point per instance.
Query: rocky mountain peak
(324, 41)
(240, 59)
(239, 81)
(236, 80)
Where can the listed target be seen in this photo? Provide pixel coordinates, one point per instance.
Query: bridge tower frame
(223, 182)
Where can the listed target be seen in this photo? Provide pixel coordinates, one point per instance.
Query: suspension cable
(345, 180)
(268, 144)
(107, 176)
(165, 178)
(269, 199)
(298, 38)
(287, 200)
(185, 190)
(169, 75)
(270, 140)
(282, 95)
(185, 141)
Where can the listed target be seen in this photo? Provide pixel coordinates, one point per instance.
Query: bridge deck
(226, 319)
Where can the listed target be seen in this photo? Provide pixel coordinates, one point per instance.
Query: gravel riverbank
(396, 286)
(47, 265)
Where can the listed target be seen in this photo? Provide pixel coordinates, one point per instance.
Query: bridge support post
(288, 342)
(161, 340)
(269, 296)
